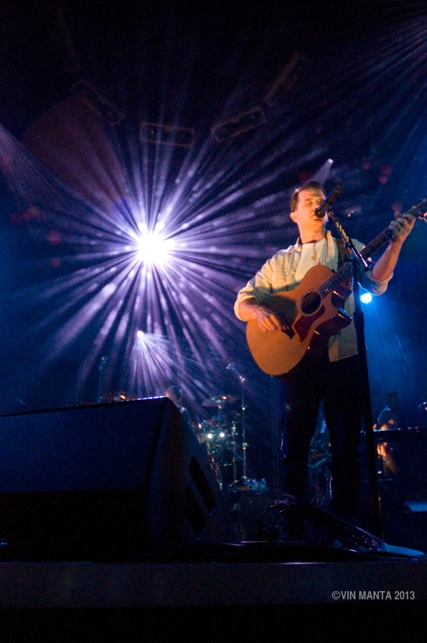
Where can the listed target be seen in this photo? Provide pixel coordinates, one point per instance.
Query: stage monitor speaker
(120, 475)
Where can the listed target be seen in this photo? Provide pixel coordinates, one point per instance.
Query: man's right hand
(268, 320)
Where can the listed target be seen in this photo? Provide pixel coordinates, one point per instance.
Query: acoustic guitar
(311, 313)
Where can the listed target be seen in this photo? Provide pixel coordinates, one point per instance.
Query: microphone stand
(359, 323)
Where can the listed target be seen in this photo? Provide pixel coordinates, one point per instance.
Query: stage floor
(256, 592)
(217, 575)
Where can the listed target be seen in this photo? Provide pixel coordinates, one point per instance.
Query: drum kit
(218, 436)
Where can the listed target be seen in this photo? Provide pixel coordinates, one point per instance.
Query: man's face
(304, 213)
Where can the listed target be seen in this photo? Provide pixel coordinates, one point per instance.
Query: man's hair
(311, 185)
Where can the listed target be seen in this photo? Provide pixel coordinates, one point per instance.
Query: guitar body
(310, 319)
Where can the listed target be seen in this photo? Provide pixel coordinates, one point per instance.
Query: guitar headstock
(419, 211)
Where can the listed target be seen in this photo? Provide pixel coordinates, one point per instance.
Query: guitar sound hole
(310, 303)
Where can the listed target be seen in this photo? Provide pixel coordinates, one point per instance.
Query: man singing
(335, 378)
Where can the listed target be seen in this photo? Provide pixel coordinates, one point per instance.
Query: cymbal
(220, 400)
(214, 424)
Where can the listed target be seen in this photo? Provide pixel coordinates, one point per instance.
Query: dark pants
(338, 384)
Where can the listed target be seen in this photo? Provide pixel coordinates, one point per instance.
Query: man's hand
(386, 264)
(401, 227)
(268, 320)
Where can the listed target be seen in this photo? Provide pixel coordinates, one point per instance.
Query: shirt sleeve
(374, 286)
(259, 287)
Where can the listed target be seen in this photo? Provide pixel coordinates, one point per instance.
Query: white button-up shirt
(286, 269)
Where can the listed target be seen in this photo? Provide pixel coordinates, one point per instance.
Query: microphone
(325, 205)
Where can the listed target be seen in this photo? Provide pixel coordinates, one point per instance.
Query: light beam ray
(222, 208)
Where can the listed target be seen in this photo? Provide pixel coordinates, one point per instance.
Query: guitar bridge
(338, 301)
(344, 315)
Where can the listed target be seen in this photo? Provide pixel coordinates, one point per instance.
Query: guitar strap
(343, 252)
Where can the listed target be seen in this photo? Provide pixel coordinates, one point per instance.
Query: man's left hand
(401, 227)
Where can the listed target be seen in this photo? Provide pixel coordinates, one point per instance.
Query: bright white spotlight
(153, 248)
(140, 334)
(366, 298)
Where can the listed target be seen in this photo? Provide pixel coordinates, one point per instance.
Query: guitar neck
(373, 246)
(418, 211)
(345, 270)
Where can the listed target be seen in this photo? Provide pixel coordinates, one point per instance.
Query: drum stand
(232, 367)
(221, 439)
(234, 448)
(101, 367)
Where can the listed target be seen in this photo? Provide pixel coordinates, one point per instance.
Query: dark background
(341, 81)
